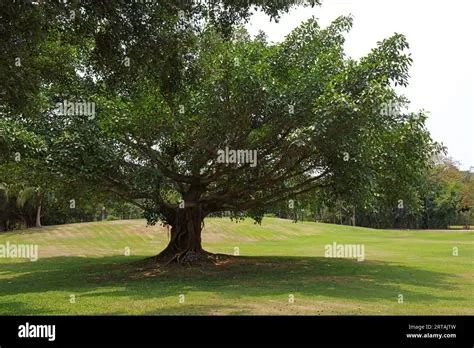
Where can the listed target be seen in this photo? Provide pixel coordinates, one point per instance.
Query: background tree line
(446, 197)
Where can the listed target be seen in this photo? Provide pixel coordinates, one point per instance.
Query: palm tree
(34, 196)
(17, 202)
(4, 206)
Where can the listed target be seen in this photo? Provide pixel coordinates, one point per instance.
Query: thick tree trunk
(185, 240)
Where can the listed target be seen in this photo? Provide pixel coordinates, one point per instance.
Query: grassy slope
(277, 259)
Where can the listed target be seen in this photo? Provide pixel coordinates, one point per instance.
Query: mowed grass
(278, 261)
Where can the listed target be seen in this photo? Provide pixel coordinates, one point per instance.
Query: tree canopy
(176, 109)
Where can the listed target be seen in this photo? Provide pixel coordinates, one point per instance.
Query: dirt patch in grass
(467, 275)
(301, 307)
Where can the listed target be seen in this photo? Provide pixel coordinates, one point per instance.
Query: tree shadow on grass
(234, 278)
(25, 309)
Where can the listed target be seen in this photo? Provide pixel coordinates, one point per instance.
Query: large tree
(173, 91)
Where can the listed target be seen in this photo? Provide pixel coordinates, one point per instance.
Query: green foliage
(171, 92)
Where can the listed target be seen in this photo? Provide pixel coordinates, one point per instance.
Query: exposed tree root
(187, 258)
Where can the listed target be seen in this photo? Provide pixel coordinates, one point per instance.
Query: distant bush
(269, 215)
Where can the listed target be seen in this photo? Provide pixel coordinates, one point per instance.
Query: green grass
(277, 259)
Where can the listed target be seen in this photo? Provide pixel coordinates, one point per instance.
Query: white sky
(440, 35)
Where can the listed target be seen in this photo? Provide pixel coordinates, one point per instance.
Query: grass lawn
(278, 261)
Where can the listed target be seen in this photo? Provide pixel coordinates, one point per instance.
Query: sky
(440, 35)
